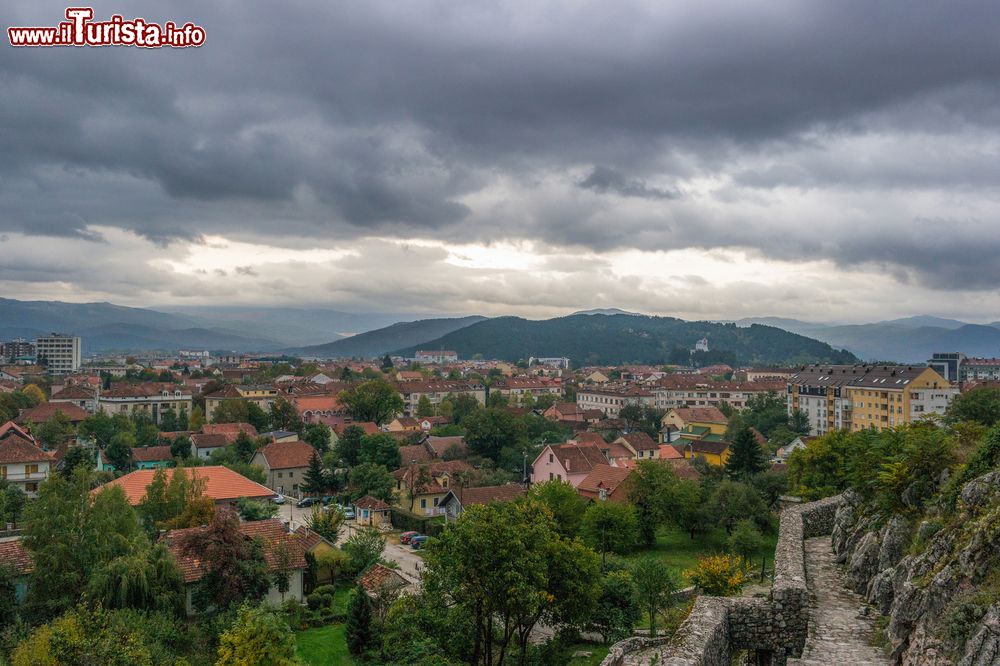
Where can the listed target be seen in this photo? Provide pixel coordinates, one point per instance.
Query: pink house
(571, 462)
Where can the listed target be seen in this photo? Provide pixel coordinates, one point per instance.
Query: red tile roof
(45, 411)
(221, 483)
(379, 577)
(670, 452)
(287, 455)
(271, 532)
(151, 453)
(603, 476)
(231, 430)
(15, 449)
(640, 441)
(700, 415)
(487, 494)
(416, 452)
(579, 458)
(16, 556)
(441, 444)
(203, 441)
(74, 392)
(372, 504)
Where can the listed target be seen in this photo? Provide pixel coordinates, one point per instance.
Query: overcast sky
(820, 160)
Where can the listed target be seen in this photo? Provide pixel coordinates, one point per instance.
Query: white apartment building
(611, 400)
(59, 353)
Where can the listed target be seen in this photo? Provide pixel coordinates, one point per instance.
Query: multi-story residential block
(19, 348)
(979, 369)
(443, 356)
(436, 391)
(820, 392)
(835, 397)
(611, 399)
(516, 387)
(83, 397)
(676, 391)
(892, 395)
(59, 353)
(261, 395)
(947, 364)
(151, 398)
(552, 361)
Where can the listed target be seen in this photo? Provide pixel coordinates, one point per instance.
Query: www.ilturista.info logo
(80, 30)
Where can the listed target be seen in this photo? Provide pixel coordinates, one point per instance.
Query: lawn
(340, 597)
(681, 552)
(599, 653)
(323, 646)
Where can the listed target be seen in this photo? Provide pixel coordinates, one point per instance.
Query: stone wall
(775, 627)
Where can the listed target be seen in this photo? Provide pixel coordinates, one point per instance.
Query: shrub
(718, 575)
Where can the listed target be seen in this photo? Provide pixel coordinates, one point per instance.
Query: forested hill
(594, 339)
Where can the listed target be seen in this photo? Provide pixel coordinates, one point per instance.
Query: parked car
(349, 513)
(327, 499)
(418, 541)
(278, 499)
(307, 502)
(406, 536)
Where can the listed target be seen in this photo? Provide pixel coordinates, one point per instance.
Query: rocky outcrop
(920, 575)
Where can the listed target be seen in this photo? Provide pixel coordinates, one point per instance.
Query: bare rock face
(916, 590)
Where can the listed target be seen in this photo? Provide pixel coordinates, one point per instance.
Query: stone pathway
(837, 635)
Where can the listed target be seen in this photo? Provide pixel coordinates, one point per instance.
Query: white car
(278, 499)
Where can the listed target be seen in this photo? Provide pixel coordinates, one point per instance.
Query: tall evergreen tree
(358, 627)
(746, 457)
(314, 481)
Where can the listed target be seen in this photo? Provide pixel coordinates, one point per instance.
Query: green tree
(981, 405)
(617, 610)
(318, 435)
(250, 510)
(327, 524)
(77, 456)
(377, 401)
(180, 447)
(234, 568)
(733, 501)
(197, 419)
(244, 447)
(371, 479)
(145, 578)
(463, 406)
(12, 501)
(746, 539)
(564, 502)
(358, 626)
(488, 431)
(98, 427)
(655, 585)
(315, 481)
(168, 420)
(54, 432)
(119, 451)
(84, 635)
(9, 606)
(380, 449)
(364, 548)
(70, 534)
(424, 407)
(258, 637)
(718, 575)
(349, 445)
(610, 527)
(284, 416)
(746, 457)
(652, 486)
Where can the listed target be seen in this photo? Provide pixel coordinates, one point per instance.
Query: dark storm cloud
(304, 120)
(605, 179)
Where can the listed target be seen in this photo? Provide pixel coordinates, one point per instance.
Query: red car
(406, 536)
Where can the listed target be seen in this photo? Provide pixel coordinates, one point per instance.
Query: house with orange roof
(82, 396)
(22, 463)
(681, 420)
(607, 483)
(285, 464)
(459, 499)
(273, 537)
(639, 444)
(220, 483)
(570, 462)
(43, 412)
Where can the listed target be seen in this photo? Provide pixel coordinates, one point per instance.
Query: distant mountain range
(383, 340)
(908, 340)
(105, 327)
(590, 339)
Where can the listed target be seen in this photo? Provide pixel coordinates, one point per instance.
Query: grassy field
(599, 653)
(323, 646)
(681, 552)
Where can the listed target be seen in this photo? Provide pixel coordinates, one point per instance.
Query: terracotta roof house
(379, 579)
(202, 445)
(642, 446)
(22, 463)
(143, 457)
(455, 446)
(46, 410)
(82, 396)
(284, 464)
(670, 452)
(607, 483)
(220, 483)
(371, 511)
(229, 430)
(415, 453)
(459, 499)
(570, 462)
(14, 555)
(714, 452)
(684, 469)
(273, 537)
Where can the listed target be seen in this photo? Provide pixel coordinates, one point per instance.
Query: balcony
(33, 476)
